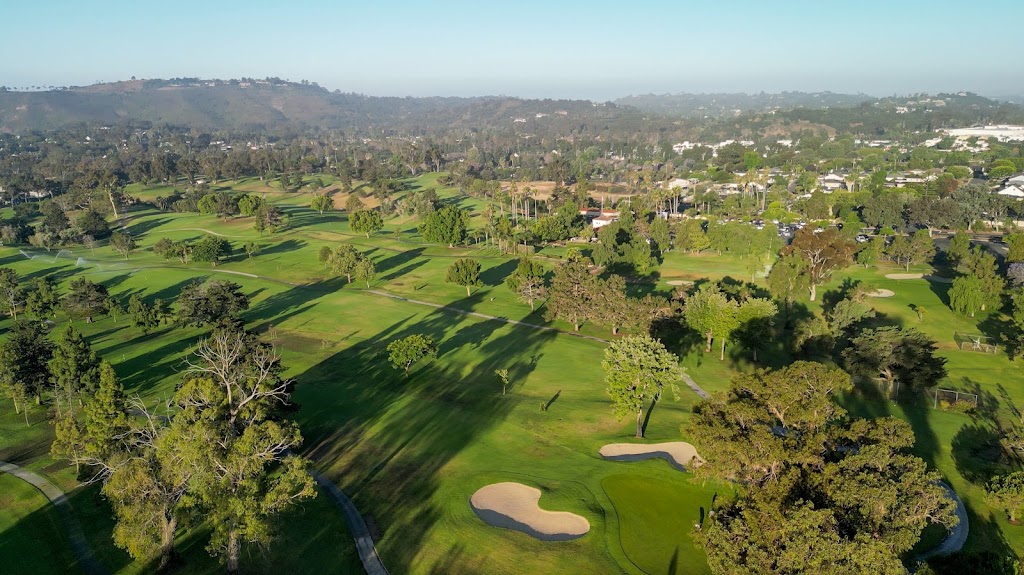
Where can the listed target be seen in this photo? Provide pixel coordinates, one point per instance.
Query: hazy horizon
(595, 51)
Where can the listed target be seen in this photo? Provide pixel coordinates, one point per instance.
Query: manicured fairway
(411, 450)
(32, 538)
(656, 518)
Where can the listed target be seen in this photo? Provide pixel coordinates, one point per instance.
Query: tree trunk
(721, 357)
(814, 292)
(707, 345)
(233, 551)
(349, 276)
(167, 541)
(576, 326)
(532, 309)
(640, 423)
(467, 291)
(113, 204)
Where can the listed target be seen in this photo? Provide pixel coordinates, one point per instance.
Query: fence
(951, 398)
(974, 342)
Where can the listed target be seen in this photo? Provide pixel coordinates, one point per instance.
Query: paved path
(957, 536)
(696, 388)
(364, 542)
(79, 544)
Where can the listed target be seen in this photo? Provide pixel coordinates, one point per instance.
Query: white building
(1012, 192)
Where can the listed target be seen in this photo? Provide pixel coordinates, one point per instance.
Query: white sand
(881, 293)
(679, 283)
(930, 278)
(678, 453)
(514, 506)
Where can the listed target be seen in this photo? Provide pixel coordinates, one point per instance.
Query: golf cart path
(360, 532)
(79, 545)
(957, 536)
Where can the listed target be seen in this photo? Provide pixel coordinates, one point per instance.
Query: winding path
(957, 536)
(79, 544)
(360, 532)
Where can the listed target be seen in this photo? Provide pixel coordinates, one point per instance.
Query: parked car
(861, 238)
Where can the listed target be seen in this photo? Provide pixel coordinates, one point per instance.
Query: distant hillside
(243, 104)
(719, 105)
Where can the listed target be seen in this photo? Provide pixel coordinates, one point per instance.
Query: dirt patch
(515, 506)
(678, 453)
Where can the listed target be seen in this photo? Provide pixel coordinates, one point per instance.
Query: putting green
(656, 518)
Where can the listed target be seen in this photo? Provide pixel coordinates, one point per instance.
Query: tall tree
(966, 295)
(711, 314)
(786, 278)
(446, 226)
(123, 243)
(73, 368)
(959, 248)
(754, 321)
(365, 271)
(824, 253)
(211, 302)
(142, 314)
(637, 369)
(24, 356)
(907, 251)
(211, 249)
(896, 355)
(817, 492)
(321, 204)
(464, 272)
(12, 295)
(366, 222)
(231, 432)
(1007, 492)
(403, 353)
(527, 282)
(344, 259)
(86, 299)
(43, 300)
(572, 292)
(101, 437)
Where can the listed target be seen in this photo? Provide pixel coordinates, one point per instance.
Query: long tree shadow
(386, 438)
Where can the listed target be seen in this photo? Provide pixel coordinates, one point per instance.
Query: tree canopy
(636, 370)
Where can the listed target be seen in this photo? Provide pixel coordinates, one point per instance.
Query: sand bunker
(678, 453)
(930, 278)
(881, 293)
(679, 283)
(514, 506)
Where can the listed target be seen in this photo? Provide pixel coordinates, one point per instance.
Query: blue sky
(598, 49)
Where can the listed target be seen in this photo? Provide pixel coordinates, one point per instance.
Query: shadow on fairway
(385, 437)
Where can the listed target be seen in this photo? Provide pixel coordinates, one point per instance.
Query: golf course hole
(657, 519)
(678, 453)
(515, 506)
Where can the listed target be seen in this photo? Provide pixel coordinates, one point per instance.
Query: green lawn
(32, 538)
(656, 518)
(412, 450)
